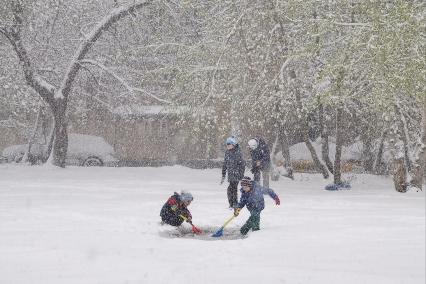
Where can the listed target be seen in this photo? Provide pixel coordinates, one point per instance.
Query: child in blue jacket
(252, 197)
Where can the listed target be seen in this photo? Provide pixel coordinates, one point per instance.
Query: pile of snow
(102, 225)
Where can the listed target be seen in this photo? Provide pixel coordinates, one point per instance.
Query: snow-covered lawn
(101, 225)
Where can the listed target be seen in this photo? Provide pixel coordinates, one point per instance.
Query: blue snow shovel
(219, 232)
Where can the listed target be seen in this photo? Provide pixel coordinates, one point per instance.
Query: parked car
(3, 160)
(15, 153)
(83, 150)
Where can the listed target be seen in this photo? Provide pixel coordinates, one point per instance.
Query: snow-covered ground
(101, 225)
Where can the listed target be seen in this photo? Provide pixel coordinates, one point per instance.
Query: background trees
(335, 71)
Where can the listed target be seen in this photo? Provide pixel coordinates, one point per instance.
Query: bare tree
(57, 97)
(305, 129)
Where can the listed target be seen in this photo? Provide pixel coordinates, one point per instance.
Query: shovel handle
(219, 232)
(228, 221)
(185, 219)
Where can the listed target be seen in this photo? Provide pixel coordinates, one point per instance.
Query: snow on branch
(121, 80)
(13, 34)
(152, 96)
(352, 24)
(228, 37)
(199, 69)
(158, 46)
(113, 17)
(109, 71)
(108, 106)
(278, 75)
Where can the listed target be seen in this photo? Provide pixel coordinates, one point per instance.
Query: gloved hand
(196, 230)
(237, 211)
(277, 200)
(222, 180)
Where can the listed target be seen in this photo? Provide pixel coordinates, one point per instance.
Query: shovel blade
(219, 233)
(197, 231)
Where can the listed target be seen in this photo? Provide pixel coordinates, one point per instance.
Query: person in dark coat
(260, 159)
(252, 197)
(234, 165)
(175, 210)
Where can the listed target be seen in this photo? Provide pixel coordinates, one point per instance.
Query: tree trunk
(339, 146)
(29, 157)
(50, 144)
(323, 170)
(285, 147)
(274, 165)
(368, 157)
(398, 163)
(274, 148)
(325, 153)
(60, 144)
(305, 129)
(404, 135)
(399, 175)
(419, 167)
(378, 163)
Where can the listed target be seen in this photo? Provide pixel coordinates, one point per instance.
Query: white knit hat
(253, 143)
(186, 196)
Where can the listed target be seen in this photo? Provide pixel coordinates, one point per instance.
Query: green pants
(252, 223)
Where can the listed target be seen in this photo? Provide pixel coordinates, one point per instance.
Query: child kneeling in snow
(252, 197)
(175, 210)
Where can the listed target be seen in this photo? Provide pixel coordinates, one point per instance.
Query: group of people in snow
(175, 211)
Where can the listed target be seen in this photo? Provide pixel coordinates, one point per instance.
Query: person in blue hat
(234, 165)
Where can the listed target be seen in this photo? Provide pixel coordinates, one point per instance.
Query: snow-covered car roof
(82, 143)
(11, 150)
(80, 147)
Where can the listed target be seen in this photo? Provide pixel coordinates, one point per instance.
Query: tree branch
(122, 81)
(366, 25)
(84, 48)
(13, 34)
(228, 37)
